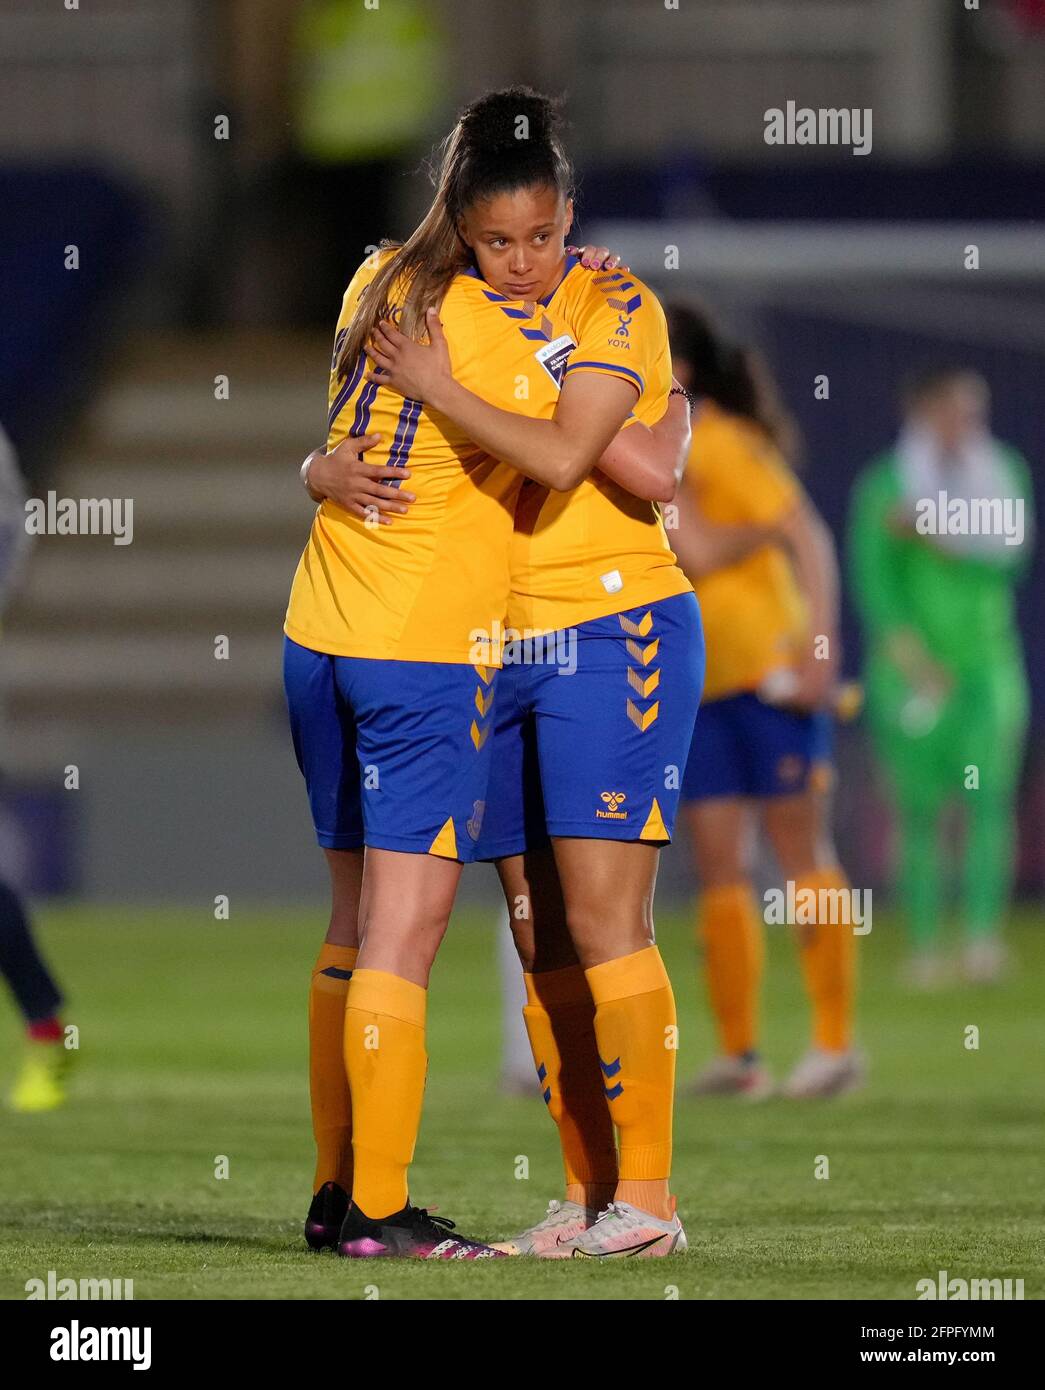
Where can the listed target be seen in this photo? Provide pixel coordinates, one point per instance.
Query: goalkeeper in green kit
(940, 534)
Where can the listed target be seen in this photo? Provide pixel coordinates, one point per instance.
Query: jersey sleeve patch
(555, 357)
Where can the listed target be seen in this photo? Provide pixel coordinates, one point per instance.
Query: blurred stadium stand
(188, 786)
(218, 515)
(109, 663)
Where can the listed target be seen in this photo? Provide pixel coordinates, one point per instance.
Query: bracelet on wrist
(681, 391)
(304, 471)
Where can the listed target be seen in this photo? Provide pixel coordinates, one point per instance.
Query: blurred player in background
(768, 591)
(940, 533)
(363, 93)
(40, 1084)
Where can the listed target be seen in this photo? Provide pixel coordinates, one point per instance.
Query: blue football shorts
(395, 754)
(743, 746)
(592, 726)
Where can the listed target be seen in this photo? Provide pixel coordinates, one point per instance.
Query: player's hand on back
(418, 370)
(414, 370)
(366, 490)
(596, 257)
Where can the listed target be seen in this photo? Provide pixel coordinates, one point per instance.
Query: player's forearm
(541, 449)
(728, 545)
(649, 462)
(812, 553)
(705, 546)
(689, 551)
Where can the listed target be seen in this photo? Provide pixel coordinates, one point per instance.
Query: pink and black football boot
(325, 1217)
(409, 1234)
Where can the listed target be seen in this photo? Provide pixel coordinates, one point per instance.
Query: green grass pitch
(193, 1045)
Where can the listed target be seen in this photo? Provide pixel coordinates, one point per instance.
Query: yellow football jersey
(597, 550)
(755, 618)
(424, 587)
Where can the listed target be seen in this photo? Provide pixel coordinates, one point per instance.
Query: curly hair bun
(505, 120)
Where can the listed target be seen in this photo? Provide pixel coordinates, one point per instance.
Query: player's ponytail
(504, 141)
(735, 377)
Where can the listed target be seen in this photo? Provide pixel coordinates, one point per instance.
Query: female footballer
(392, 641)
(584, 781)
(762, 740)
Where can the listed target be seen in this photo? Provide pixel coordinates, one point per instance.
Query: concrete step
(164, 392)
(148, 416)
(137, 664)
(219, 521)
(98, 587)
(173, 495)
(260, 354)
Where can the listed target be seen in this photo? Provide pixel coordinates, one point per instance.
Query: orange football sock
(328, 1084)
(732, 934)
(386, 1063)
(827, 950)
(560, 1021)
(637, 1035)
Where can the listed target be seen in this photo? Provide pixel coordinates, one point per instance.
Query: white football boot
(623, 1231)
(822, 1073)
(927, 972)
(549, 1239)
(985, 961)
(732, 1076)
